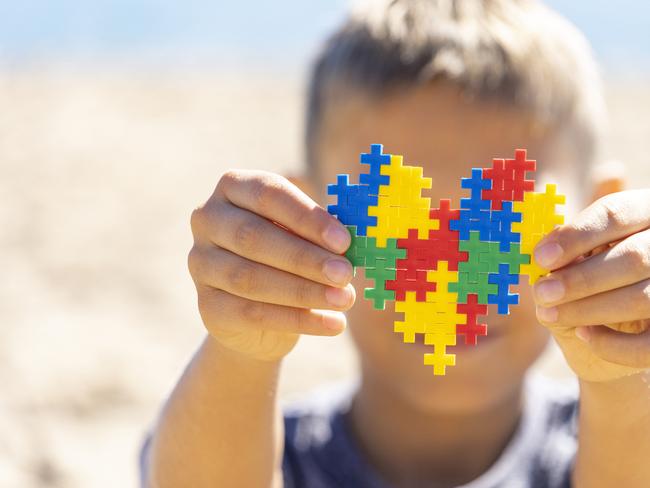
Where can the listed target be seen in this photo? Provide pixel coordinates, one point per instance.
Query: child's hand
(259, 284)
(603, 298)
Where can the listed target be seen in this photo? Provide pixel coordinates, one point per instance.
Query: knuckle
(637, 300)
(301, 257)
(229, 178)
(638, 256)
(645, 290)
(193, 262)
(578, 280)
(242, 278)
(265, 190)
(615, 211)
(253, 312)
(303, 293)
(210, 302)
(197, 219)
(299, 320)
(248, 235)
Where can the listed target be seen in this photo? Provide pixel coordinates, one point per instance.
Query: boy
(449, 85)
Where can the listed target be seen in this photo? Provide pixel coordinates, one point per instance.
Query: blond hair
(517, 51)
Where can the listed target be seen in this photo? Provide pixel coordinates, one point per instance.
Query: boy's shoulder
(320, 451)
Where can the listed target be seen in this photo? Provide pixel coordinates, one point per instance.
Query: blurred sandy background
(100, 169)
(99, 176)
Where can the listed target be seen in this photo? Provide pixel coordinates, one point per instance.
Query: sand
(100, 172)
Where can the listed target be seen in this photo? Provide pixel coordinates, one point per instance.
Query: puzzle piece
(513, 258)
(354, 253)
(471, 328)
(475, 204)
(375, 159)
(380, 267)
(437, 319)
(499, 174)
(501, 230)
(481, 287)
(443, 266)
(400, 205)
(353, 203)
(503, 298)
(539, 217)
(519, 167)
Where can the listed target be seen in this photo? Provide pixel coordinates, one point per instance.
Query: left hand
(596, 300)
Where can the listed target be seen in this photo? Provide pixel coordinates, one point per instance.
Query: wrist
(222, 353)
(629, 393)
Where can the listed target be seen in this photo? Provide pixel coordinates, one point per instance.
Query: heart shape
(443, 266)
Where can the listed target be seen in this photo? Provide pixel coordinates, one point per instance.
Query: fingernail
(546, 314)
(547, 254)
(332, 320)
(339, 297)
(583, 333)
(338, 271)
(549, 290)
(337, 237)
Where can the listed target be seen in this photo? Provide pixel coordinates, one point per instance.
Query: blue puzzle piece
(475, 203)
(476, 184)
(475, 206)
(375, 159)
(503, 298)
(465, 223)
(501, 228)
(352, 204)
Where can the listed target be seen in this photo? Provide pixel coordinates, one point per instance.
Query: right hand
(267, 265)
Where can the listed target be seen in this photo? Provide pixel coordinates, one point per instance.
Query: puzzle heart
(443, 266)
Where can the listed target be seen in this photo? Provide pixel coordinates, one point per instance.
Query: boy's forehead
(436, 127)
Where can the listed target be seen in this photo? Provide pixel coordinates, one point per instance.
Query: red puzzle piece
(472, 309)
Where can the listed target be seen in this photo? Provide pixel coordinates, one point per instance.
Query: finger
(257, 239)
(608, 219)
(221, 311)
(222, 269)
(275, 198)
(626, 263)
(625, 304)
(618, 347)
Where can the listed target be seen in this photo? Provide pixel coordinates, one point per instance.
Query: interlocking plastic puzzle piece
(442, 277)
(403, 283)
(513, 258)
(474, 247)
(375, 159)
(519, 167)
(477, 206)
(378, 293)
(355, 252)
(440, 360)
(499, 174)
(481, 287)
(539, 217)
(503, 298)
(353, 203)
(444, 266)
(400, 206)
(471, 328)
(380, 267)
(501, 230)
(465, 224)
(437, 319)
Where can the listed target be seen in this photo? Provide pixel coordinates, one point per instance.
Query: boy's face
(436, 128)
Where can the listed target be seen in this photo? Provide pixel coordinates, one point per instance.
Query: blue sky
(285, 32)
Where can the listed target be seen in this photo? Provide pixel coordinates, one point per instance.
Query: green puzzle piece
(379, 264)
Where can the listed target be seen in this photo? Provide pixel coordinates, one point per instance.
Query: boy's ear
(607, 178)
(304, 183)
